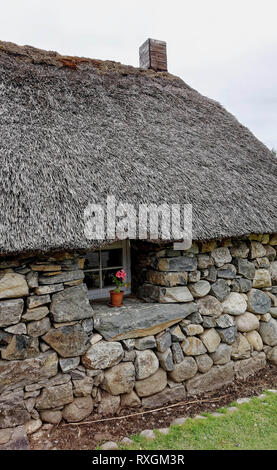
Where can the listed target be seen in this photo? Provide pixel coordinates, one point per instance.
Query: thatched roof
(74, 130)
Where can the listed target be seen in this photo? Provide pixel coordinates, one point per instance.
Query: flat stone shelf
(136, 318)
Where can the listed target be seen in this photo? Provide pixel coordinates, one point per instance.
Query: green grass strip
(253, 426)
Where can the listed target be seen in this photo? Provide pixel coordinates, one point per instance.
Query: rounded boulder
(78, 410)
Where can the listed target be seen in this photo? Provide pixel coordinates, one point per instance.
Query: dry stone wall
(210, 317)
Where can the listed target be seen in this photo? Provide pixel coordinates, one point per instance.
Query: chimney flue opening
(152, 55)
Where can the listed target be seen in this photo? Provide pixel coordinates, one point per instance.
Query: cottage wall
(210, 318)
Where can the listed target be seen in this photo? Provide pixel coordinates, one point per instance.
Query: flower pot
(116, 298)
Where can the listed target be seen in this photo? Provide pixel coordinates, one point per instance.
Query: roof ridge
(34, 55)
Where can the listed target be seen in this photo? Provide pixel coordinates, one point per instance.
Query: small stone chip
(178, 421)
(164, 430)
(127, 441)
(148, 433)
(110, 445)
(262, 396)
(240, 401)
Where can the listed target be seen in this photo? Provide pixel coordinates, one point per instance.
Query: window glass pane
(92, 260)
(107, 277)
(92, 279)
(111, 258)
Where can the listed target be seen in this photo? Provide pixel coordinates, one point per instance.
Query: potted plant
(116, 294)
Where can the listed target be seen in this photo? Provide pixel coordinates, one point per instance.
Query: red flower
(123, 274)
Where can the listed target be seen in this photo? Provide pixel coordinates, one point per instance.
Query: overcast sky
(226, 49)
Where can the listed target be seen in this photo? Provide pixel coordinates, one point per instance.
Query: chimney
(152, 55)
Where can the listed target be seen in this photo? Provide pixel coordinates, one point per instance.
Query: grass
(253, 427)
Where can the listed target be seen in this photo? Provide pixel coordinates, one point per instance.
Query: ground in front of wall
(245, 426)
(91, 436)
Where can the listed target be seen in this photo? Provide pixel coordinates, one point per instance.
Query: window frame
(104, 292)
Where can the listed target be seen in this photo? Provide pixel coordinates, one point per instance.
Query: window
(101, 266)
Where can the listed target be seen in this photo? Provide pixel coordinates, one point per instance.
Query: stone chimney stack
(152, 55)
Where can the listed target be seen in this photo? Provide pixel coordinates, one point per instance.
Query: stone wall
(210, 317)
(46, 322)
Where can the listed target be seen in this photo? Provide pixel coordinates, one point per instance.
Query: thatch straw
(74, 130)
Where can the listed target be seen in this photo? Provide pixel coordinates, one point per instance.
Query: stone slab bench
(137, 319)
